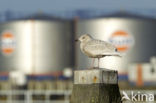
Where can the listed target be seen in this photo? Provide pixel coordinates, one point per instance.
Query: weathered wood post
(95, 86)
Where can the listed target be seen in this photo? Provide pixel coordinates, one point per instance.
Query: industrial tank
(134, 37)
(36, 46)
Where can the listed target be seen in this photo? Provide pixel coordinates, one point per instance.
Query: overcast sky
(68, 5)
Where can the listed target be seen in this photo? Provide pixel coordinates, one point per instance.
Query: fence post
(96, 86)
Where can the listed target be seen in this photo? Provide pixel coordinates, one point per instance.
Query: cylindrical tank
(133, 36)
(36, 46)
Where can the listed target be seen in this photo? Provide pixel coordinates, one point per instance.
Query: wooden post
(96, 86)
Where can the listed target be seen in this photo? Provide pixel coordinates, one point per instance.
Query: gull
(94, 48)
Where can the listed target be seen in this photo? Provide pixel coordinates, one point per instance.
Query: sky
(68, 5)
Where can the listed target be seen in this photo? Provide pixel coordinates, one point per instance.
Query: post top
(97, 69)
(96, 75)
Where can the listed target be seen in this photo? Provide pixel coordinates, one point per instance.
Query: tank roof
(127, 15)
(41, 17)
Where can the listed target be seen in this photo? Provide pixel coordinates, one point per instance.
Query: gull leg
(93, 60)
(98, 62)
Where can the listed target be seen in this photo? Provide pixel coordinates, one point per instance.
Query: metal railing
(13, 96)
(28, 96)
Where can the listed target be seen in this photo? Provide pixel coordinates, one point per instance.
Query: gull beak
(76, 40)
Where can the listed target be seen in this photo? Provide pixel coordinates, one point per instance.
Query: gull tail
(117, 54)
(113, 54)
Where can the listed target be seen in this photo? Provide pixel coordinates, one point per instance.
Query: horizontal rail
(28, 95)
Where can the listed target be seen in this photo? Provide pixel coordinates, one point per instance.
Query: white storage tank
(36, 45)
(133, 36)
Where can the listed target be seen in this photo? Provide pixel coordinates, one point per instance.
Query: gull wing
(98, 47)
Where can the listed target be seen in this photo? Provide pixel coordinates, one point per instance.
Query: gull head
(84, 38)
